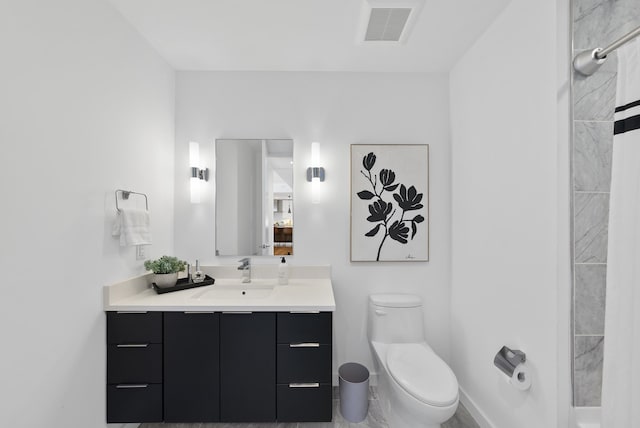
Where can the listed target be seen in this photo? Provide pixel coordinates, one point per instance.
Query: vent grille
(386, 24)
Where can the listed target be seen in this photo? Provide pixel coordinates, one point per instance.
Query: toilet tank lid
(395, 300)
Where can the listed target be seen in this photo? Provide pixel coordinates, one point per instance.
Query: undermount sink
(226, 288)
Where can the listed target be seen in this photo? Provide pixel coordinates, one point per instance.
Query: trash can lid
(353, 373)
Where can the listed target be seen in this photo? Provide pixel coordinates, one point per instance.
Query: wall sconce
(315, 173)
(197, 174)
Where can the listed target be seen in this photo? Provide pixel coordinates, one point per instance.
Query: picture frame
(389, 202)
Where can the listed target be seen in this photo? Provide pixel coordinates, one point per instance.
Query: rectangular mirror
(254, 197)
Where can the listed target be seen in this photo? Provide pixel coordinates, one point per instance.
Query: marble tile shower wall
(596, 23)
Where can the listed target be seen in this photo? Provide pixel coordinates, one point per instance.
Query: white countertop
(309, 289)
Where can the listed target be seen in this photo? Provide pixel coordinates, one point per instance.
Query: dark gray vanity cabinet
(304, 367)
(208, 367)
(248, 367)
(134, 367)
(191, 367)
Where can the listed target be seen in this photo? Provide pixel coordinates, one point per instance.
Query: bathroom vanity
(229, 352)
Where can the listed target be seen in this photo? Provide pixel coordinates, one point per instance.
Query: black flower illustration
(387, 177)
(379, 211)
(368, 161)
(382, 212)
(408, 199)
(399, 231)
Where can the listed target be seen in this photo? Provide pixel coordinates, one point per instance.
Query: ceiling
(303, 35)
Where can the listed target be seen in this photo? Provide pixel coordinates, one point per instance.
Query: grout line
(592, 192)
(589, 264)
(593, 121)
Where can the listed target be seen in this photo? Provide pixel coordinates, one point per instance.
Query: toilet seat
(420, 372)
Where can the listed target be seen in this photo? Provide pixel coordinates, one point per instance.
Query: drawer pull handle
(133, 345)
(132, 386)
(304, 345)
(199, 312)
(304, 312)
(304, 385)
(131, 312)
(237, 312)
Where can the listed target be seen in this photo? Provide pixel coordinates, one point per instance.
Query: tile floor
(462, 419)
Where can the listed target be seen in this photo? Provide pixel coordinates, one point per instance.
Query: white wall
(86, 108)
(505, 212)
(564, 296)
(337, 109)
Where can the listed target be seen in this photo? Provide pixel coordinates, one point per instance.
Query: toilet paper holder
(508, 359)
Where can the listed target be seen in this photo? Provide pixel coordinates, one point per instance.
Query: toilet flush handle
(381, 312)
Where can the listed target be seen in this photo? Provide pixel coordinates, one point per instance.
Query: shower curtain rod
(588, 62)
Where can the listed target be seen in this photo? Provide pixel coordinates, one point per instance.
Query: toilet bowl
(416, 387)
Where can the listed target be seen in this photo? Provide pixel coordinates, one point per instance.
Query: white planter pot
(165, 280)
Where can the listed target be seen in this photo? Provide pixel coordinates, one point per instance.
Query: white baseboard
(475, 411)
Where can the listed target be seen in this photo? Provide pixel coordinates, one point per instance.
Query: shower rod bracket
(588, 62)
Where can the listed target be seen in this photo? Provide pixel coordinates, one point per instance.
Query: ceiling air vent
(386, 24)
(388, 20)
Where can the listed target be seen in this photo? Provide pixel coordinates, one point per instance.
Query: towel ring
(127, 193)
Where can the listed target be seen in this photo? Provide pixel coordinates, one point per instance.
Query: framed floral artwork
(389, 202)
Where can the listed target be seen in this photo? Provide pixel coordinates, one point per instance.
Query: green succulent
(165, 264)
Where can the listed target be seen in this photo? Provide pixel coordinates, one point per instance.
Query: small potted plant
(165, 270)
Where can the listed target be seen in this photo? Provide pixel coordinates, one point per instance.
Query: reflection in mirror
(254, 197)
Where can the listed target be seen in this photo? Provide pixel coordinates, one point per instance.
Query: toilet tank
(395, 318)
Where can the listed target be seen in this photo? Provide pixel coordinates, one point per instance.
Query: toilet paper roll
(521, 378)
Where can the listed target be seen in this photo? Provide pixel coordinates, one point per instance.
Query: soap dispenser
(283, 272)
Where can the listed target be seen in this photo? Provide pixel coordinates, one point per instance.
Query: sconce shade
(315, 173)
(197, 174)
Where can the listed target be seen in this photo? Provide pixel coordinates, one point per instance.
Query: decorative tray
(184, 284)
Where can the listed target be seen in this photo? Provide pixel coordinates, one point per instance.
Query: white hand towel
(133, 227)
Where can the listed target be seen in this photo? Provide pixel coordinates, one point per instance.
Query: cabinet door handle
(133, 345)
(304, 385)
(132, 385)
(304, 345)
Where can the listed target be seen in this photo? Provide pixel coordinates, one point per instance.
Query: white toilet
(415, 387)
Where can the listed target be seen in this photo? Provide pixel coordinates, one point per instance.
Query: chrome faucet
(245, 267)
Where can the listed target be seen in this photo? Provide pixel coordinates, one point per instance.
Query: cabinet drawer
(296, 328)
(134, 363)
(304, 403)
(304, 364)
(134, 327)
(134, 403)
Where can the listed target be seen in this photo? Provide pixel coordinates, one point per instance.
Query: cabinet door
(191, 367)
(248, 367)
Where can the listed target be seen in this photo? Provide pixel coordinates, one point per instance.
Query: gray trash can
(354, 391)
